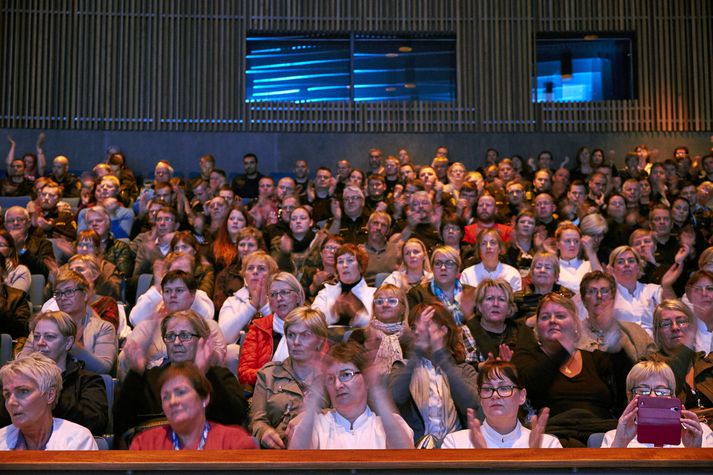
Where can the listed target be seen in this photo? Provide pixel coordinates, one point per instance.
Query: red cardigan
(257, 350)
(220, 437)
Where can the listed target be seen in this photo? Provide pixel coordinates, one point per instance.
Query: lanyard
(201, 444)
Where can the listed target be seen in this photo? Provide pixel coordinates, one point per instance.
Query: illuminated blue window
(584, 68)
(308, 68)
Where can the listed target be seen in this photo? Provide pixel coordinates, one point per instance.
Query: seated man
(71, 185)
(35, 251)
(14, 307)
(186, 337)
(351, 424)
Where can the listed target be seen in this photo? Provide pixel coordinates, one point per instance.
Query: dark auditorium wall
(162, 79)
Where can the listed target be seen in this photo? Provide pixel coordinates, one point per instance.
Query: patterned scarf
(453, 307)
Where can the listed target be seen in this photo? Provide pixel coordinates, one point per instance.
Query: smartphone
(659, 420)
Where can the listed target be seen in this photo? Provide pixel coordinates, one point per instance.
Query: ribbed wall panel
(179, 64)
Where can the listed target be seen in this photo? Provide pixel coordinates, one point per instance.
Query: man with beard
(15, 184)
(420, 218)
(375, 159)
(383, 257)
(246, 184)
(71, 186)
(485, 212)
(349, 222)
(49, 220)
(302, 180)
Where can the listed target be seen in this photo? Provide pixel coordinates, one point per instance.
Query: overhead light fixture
(405, 49)
(409, 85)
(392, 55)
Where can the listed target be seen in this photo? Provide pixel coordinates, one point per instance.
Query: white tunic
(474, 275)
(519, 438)
(572, 272)
(65, 436)
(638, 307)
(332, 431)
(635, 444)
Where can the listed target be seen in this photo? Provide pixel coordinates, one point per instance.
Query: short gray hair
(38, 368)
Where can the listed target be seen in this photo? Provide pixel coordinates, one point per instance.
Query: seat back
(37, 292)
(5, 348)
(143, 285)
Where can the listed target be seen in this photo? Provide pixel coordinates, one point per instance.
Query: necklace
(573, 359)
(177, 443)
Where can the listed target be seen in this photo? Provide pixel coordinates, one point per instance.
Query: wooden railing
(600, 460)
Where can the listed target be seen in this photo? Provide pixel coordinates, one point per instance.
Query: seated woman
(388, 325)
(521, 247)
(265, 340)
(435, 388)
(281, 385)
(699, 296)
(489, 246)
(184, 242)
(37, 378)
(571, 244)
(494, 332)
(675, 334)
(501, 396)
(150, 305)
(96, 343)
(349, 302)
(252, 300)
(323, 269)
(601, 330)
(542, 279)
(445, 286)
(654, 378)
(583, 389)
(106, 307)
(351, 423)
(178, 291)
(415, 267)
(185, 394)
(14, 308)
(187, 339)
(17, 275)
(109, 281)
(82, 399)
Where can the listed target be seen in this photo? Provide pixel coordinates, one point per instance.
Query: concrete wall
(278, 151)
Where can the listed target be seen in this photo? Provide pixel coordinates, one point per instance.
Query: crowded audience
(428, 303)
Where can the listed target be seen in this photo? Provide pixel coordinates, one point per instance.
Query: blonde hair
(40, 369)
(65, 324)
(675, 305)
(447, 251)
(262, 256)
(497, 284)
(546, 256)
(419, 243)
(395, 291)
(614, 255)
(292, 282)
(313, 319)
(643, 370)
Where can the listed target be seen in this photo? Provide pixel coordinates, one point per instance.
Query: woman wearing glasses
(186, 336)
(351, 423)
(387, 327)
(348, 302)
(95, 343)
(281, 385)
(501, 395)
(675, 333)
(435, 387)
(583, 389)
(265, 339)
(654, 378)
(445, 286)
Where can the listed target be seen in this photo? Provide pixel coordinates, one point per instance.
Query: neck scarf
(453, 307)
(278, 326)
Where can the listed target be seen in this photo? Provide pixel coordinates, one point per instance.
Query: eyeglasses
(389, 302)
(183, 336)
(646, 391)
(447, 264)
(343, 376)
(486, 392)
(593, 292)
(69, 293)
(668, 324)
(281, 293)
(350, 199)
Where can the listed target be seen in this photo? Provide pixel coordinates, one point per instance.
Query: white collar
(504, 439)
(358, 423)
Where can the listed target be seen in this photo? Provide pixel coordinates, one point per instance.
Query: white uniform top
(519, 438)
(572, 272)
(635, 444)
(638, 307)
(474, 275)
(332, 431)
(65, 436)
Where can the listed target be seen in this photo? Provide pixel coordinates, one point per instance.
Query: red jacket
(256, 351)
